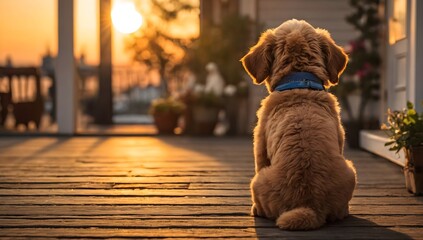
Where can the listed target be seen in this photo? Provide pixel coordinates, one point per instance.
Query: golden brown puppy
(302, 178)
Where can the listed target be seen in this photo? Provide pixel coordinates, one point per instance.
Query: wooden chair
(5, 98)
(23, 94)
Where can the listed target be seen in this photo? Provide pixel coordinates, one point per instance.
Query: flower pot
(413, 170)
(166, 122)
(204, 120)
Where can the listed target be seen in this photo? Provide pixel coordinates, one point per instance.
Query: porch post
(66, 90)
(415, 86)
(104, 109)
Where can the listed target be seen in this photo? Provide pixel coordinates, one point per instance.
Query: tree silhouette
(155, 46)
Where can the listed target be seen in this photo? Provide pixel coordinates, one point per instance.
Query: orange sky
(28, 28)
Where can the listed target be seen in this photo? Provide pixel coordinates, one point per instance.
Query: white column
(66, 90)
(415, 85)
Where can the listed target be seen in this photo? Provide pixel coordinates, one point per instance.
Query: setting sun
(126, 18)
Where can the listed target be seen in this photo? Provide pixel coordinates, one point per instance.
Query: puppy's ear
(258, 62)
(335, 57)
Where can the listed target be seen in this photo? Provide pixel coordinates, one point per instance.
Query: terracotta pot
(204, 120)
(166, 122)
(413, 170)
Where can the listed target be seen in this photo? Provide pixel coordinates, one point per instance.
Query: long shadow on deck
(350, 228)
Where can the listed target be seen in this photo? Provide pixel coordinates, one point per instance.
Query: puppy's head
(294, 46)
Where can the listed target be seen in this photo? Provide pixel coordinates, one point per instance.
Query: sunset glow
(125, 17)
(28, 29)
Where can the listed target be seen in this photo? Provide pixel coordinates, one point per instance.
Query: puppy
(302, 179)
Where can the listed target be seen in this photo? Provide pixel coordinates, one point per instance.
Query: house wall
(327, 14)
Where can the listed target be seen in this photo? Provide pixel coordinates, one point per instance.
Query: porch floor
(173, 187)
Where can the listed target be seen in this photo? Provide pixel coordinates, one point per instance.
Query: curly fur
(302, 178)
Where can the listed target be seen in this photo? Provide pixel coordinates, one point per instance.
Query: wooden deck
(175, 187)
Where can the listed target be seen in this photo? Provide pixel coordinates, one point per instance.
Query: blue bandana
(302, 80)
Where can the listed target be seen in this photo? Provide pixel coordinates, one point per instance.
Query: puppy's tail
(302, 218)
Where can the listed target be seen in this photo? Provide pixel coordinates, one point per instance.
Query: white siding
(327, 14)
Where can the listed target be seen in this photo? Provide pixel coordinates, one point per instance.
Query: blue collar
(301, 80)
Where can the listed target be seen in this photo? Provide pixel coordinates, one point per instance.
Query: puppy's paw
(254, 211)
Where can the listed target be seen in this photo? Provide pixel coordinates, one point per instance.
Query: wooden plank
(181, 210)
(99, 165)
(164, 167)
(147, 161)
(151, 185)
(361, 192)
(125, 173)
(176, 157)
(70, 159)
(243, 177)
(334, 233)
(195, 183)
(93, 200)
(97, 186)
(142, 210)
(199, 200)
(128, 179)
(198, 222)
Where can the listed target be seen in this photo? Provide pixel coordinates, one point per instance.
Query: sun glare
(126, 18)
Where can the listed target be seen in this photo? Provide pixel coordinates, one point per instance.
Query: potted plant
(405, 130)
(166, 112)
(205, 112)
(359, 86)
